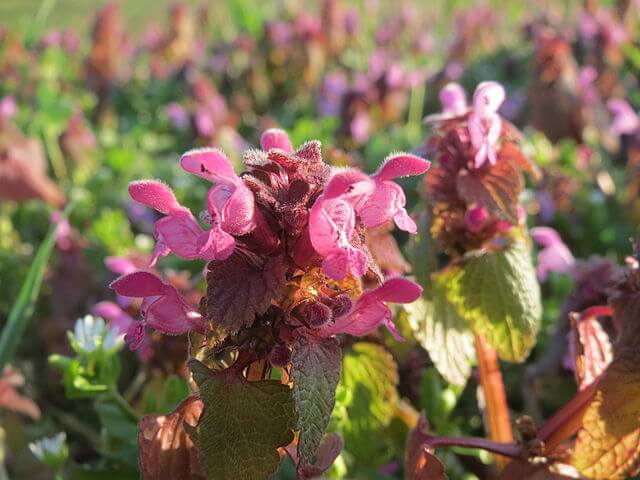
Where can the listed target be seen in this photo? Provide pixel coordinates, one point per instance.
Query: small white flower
(52, 450)
(113, 340)
(91, 333)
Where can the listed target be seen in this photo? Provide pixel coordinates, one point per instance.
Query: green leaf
(444, 334)
(315, 374)
(23, 308)
(499, 295)
(371, 375)
(422, 251)
(242, 425)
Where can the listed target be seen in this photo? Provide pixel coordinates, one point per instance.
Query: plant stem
(510, 450)
(497, 410)
(122, 403)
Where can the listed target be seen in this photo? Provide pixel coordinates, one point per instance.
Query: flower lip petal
(546, 236)
(401, 165)
(397, 290)
(349, 182)
(276, 138)
(154, 194)
(139, 284)
(209, 163)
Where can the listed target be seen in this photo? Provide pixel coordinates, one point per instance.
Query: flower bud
(341, 305)
(475, 219)
(280, 355)
(317, 315)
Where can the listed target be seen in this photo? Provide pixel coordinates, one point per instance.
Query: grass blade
(23, 308)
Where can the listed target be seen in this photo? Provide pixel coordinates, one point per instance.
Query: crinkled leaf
(370, 374)
(444, 334)
(237, 291)
(498, 294)
(422, 251)
(495, 188)
(242, 425)
(166, 450)
(329, 449)
(315, 373)
(608, 445)
(591, 347)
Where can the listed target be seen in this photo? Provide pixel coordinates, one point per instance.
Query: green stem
(122, 403)
(55, 155)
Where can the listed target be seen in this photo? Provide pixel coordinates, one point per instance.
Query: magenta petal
(154, 194)
(120, 265)
(402, 165)
(546, 236)
(404, 222)
(237, 210)
(209, 163)
(135, 335)
(453, 99)
(396, 290)
(180, 233)
(172, 315)
(276, 138)
(138, 284)
(215, 244)
(487, 98)
(116, 317)
(382, 205)
(349, 182)
(335, 265)
(363, 319)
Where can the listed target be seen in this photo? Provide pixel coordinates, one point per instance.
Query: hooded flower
(370, 310)
(163, 308)
(485, 123)
(625, 120)
(554, 256)
(230, 208)
(375, 200)
(332, 224)
(388, 200)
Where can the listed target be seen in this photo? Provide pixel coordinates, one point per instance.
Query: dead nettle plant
(289, 276)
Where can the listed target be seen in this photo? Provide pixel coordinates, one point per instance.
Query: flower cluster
(474, 186)
(285, 242)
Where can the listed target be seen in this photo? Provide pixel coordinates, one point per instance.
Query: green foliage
(498, 294)
(315, 374)
(444, 334)
(370, 375)
(242, 425)
(24, 305)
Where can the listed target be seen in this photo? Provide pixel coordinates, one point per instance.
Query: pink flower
(485, 123)
(8, 107)
(116, 317)
(276, 138)
(388, 200)
(625, 119)
(555, 256)
(163, 308)
(475, 219)
(370, 311)
(331, 225)
(179, 232)
(230, 203)
(453, 99)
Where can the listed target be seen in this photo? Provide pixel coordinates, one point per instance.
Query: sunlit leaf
(166, 450)
(498, 295)
(315, 373)
(242, 425)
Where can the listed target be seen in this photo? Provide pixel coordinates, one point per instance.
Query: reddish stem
(510, 450)
(497, 410)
